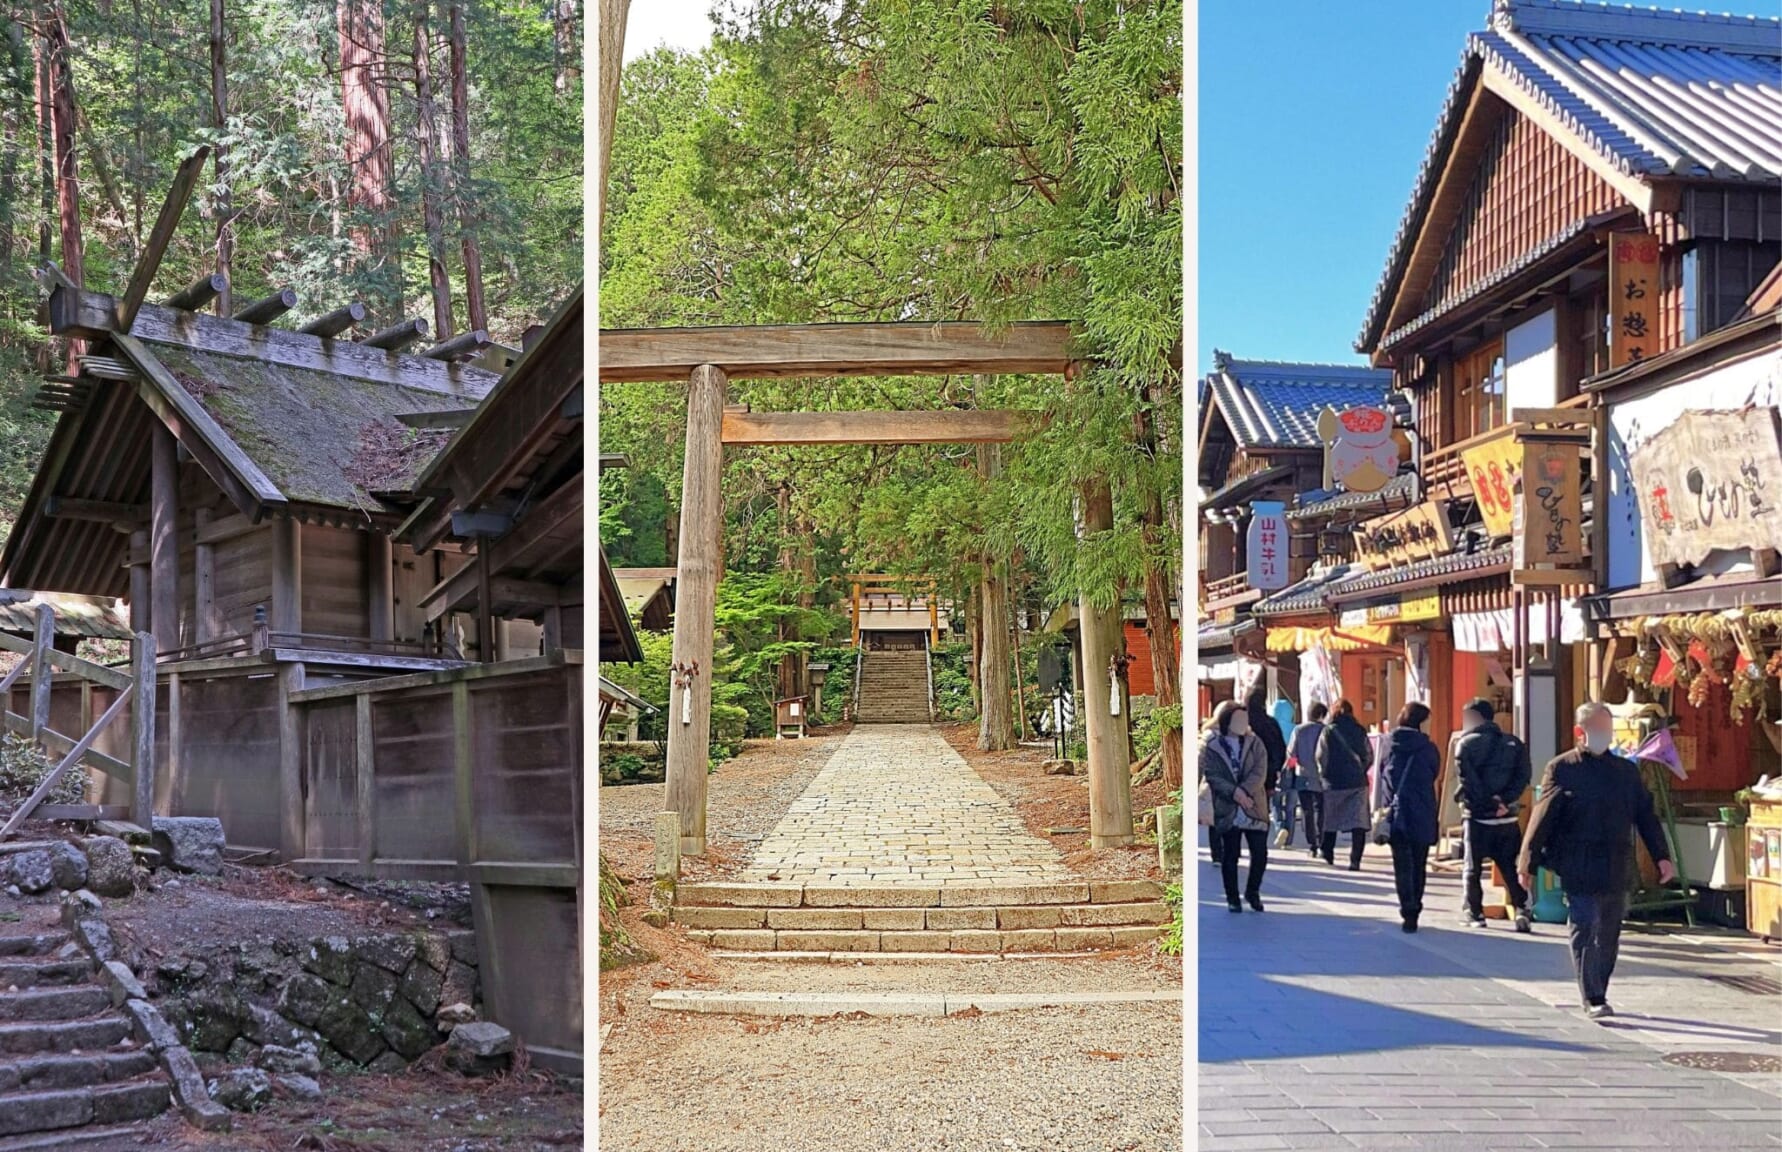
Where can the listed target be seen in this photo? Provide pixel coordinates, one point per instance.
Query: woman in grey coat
(1234, 764)
(1344, 754)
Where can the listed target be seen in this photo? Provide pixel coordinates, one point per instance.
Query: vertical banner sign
(1633, 297)
(1552, 506)
(1493, 467)
(1266, 545)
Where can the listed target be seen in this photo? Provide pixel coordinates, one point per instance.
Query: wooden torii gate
(708, 358)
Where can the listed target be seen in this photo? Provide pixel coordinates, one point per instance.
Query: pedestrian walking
(1590, 802)
(1302, 761)
(1344, 753)
(1235, 767)
(1274, 747)
(1410, 797)
(1492, 771)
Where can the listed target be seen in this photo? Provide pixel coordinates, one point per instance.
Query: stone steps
(42, 973)
(53, 1003)
(109, 1136)
(894, 689)
(70, 1069)
(996, 918)
(38, 1112)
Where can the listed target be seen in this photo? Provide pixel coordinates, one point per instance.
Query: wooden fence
(470, 775)
(132, 693)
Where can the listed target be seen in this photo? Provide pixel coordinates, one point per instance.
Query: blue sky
(1313, 119)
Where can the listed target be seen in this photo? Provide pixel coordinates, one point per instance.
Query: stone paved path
(1322, 1026)
(896, 804)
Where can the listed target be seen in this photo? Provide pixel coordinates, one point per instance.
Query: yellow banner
(1494, 467)
(1420, 606)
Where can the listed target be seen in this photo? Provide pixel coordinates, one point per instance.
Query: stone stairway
(70, 1072)
(914, 918)
(894, 687)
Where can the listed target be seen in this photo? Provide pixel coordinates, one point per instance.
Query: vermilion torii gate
(708, 358)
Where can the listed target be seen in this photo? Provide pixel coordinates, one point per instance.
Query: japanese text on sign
(1494, 468)
(1266, 545)
(1633, 297)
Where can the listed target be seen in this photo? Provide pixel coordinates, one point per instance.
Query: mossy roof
(321, 437)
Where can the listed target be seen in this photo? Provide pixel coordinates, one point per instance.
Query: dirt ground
(418, 1111)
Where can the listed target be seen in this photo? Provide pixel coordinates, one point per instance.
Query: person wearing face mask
(1235, 767)
(1493, 771)
(1590, 801)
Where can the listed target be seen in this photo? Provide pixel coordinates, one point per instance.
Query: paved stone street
(1322, 1026)
(896, 804)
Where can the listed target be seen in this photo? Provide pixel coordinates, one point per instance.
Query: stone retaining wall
(373, 1001)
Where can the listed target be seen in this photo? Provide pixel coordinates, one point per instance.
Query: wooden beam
(463, 344)
(286, 613)
(293, 832)
(91, 315)
(163, 539)
(454, 418)
(142, 731)
(198, 293)
(171, 210)
(696, 591)
(214, 450)
(268, 308)
(43, 643)
(774, 351)
(97, 511)
(397, 336)
(946, 426)
(206, 624)
(334, 323)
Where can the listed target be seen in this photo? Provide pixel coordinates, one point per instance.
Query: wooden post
(381, 569)
(42, 644)
(1110, 760)
(287, 576)
(292, 834)
(553, 629)
(855, 594)
(142, 732)
(139, 581)
(696, 594)
(163, 540)
(175, 730)
(933, 618)
(365, 750)
(485, 596)
(205, 625)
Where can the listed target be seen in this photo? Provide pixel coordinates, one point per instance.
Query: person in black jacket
(1589, 802)
(1344, 754)
(1493, 772)
(1410, 790)
(1274, 747)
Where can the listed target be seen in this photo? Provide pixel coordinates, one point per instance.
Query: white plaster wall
(1531, 362)
(1757, 379)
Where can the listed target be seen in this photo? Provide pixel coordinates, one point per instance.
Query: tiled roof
(1461, 565)
(1305, 596)
(1272, 404)
(1400, 492)
(1656, 94)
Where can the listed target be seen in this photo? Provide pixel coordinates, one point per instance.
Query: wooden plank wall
(1528, 189)
(228, 758)
(521, 794)
(415, 794)
(335, 595)
(331, 781)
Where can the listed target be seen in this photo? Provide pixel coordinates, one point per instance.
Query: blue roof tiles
(1267, 403)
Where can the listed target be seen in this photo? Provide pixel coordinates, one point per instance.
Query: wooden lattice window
(1479, 391)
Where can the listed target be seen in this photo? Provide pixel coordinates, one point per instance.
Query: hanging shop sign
(1711, 480)
(1352, 618)
(1414, 606)
(1360, 452)
(1493, 467)
(1385, 612)
(1551, 511)
(1633, 297)
(1417, 533)
(1266, 545)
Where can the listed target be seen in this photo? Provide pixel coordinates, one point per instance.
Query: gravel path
(1049, 1080)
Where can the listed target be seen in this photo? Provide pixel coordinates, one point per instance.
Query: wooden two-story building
(1259, 441)
(1604, 185)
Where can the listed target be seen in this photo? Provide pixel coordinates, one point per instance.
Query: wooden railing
(1226, 587)
(135, 691)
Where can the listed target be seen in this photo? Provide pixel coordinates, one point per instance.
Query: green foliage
(952, 682)
(1171, 943)
(917, 159)
(23, 767)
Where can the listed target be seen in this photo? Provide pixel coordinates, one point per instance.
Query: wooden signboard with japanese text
(1493, 467)
(1711, 480)
(1551, 532)
(1633, 297)
(1417, 533)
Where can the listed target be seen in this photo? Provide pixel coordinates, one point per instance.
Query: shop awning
(1707, 594)
(1349, 639)
(1425, 574)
